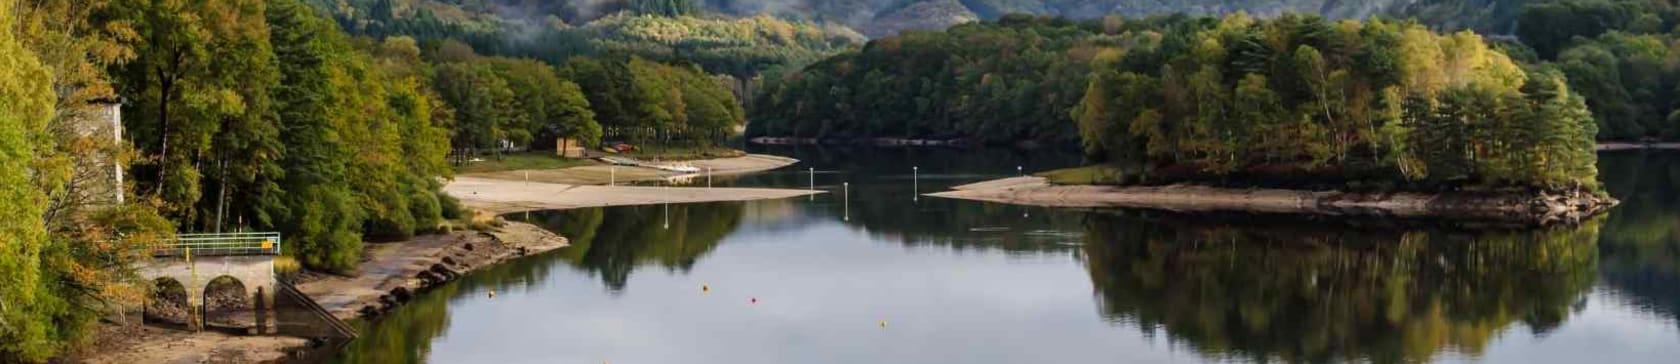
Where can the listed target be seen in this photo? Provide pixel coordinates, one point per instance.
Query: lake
(871, 273)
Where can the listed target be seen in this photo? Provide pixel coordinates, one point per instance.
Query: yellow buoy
(883, 323)
(705, 288)
(492, 293)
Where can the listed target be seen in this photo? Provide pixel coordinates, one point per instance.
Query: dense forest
(1199, 98)
(1015, 79)
(1618, 55)
(1298, 97)
(266, 115)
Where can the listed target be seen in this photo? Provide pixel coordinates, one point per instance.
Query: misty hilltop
(877, 18)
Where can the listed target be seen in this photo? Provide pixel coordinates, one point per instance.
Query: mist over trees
(554, 32)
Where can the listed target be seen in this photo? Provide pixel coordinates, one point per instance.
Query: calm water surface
(890, 278)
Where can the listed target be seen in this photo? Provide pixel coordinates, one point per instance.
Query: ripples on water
(890, 278)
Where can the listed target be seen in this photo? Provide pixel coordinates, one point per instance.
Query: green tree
(191, 59)
(483, 106)
(27, 304)
(319, 210)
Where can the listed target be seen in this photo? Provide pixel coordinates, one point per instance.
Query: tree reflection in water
(613, 242)
(1261, 290)
(1641, 243)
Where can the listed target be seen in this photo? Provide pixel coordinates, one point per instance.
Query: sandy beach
(605, 174)
(503, 196)
(1490, 207)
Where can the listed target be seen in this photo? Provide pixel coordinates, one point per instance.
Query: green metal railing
(219, 245)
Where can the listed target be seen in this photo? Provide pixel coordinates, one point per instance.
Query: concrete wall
(98, 179)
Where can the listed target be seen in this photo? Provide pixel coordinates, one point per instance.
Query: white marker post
(612, 177)
(846, 195)
(708, 177)
(812, 172)
(915, 183)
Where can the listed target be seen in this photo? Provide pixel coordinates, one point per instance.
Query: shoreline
(391, 273)
(1519, 209)
(608, 174)
(1615, 146)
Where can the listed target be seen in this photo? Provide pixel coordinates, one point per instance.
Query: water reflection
(1641, 240)
(1264, 290)
(613, 242)
(953, 274)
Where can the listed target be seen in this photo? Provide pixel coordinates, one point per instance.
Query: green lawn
(519, 161)
(681, 153)
(1087, 175)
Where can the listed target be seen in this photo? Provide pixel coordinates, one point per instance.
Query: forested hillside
(1623, 56)
(878, 18)
(999, 82)
(555, 31)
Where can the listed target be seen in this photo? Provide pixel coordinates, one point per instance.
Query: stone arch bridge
(198, 270)
(193, 261)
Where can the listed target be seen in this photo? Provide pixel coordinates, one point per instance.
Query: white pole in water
(1018, 171)
(846, 194)
(915, 183)
(708, 177)
(527, 177)
(612, 178)
(667, 216)
(813, 178)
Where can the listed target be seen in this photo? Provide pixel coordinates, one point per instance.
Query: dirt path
(144, 344)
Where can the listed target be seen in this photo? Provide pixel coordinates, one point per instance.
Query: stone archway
(168, 301)
(227, 303)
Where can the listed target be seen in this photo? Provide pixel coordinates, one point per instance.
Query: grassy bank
(520, 161)
(1087, 175)
(681, 153)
